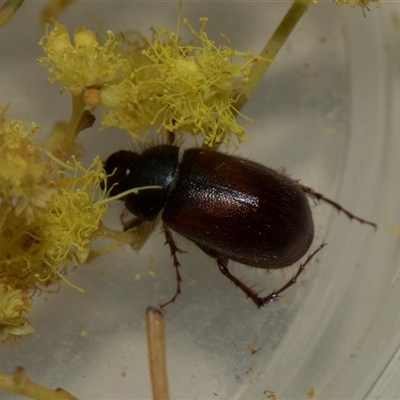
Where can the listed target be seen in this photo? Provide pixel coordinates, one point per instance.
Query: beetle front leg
(129, 221)
(173, 249)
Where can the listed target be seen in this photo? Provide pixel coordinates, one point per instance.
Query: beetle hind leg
(320, 197)
(173, 249)
(250, 292)
(275, 294)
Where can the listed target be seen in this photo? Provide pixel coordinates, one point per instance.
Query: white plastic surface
(328, 113)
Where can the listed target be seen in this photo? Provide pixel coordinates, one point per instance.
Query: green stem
(271, 49)
(8, 9)
(78, 108)
(20, 383)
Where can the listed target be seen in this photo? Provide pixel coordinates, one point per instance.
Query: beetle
(230, 207)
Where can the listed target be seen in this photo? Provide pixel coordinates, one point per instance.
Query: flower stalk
(8, 9)
(20, 383)
(271, 49)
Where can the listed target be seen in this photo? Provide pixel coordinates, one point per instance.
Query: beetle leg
(320, 197)
(170, 137)
(261, 301)
(248, 291)
(129, 221)
(174, 249)
(275, 294)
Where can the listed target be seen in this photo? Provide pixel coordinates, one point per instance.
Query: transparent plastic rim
(348, 346)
